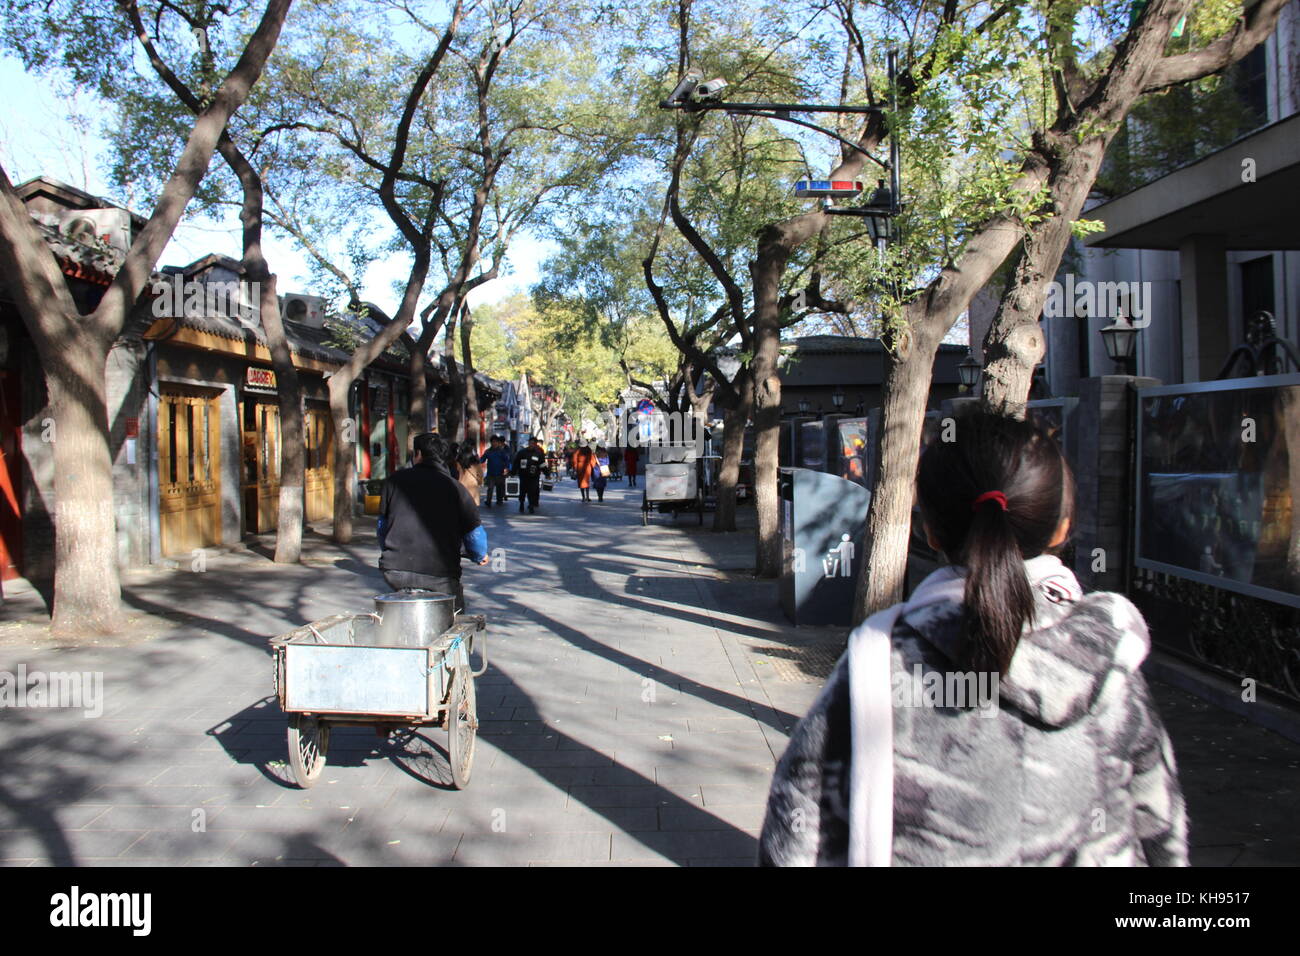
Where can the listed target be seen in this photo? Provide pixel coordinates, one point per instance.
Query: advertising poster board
(1218, 472)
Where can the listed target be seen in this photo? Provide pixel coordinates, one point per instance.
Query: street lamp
(969, 369)
(837, 398)
(1121, 342)
(879, 213)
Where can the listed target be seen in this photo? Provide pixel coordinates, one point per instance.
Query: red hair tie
(997, 496)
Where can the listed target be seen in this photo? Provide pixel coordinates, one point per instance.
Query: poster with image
(1219, 470)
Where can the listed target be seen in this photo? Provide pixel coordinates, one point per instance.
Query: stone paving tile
(685, 846)
(279, 819)
(746, 818)
(71, 817)
(729, 795)
(126, 817)
(182, 844)
(78, 844)
(513, 849)
(641, 796)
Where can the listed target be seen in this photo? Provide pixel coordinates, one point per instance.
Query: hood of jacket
(1064, 656)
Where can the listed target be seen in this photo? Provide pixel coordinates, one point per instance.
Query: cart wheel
(645, 509)
(462, 727)
(309, 742)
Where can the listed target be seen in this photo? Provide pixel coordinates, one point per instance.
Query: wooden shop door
(189, 450)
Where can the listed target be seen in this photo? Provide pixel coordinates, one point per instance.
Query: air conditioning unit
(110, 225)
(304, 309)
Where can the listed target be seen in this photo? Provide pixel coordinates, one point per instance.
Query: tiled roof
(96, 263)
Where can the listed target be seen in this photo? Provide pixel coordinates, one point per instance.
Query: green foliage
(515, 337)
(1087, 227)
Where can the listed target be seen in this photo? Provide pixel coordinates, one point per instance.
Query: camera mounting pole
(683, 98)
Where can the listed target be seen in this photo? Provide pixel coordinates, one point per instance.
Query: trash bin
(823, 522)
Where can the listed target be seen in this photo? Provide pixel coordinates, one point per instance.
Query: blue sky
(45, 133)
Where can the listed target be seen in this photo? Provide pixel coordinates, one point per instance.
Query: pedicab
(676, 480)
(403, 666)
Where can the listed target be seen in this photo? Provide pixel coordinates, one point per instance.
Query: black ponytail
(998, 599)
(993, 497)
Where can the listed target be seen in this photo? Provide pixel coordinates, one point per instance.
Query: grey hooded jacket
(1072, 768)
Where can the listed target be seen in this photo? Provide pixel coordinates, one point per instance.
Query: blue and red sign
(820, 188)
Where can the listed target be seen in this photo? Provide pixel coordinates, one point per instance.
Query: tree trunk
(906, 394)
(289, 520)
(472, 416)
(340, 387)
(87, 588)
(734, 421)
(293, 446)
(1015, 342)
(451, 423)
(889, 518)
(345, 455)
(766, 272)
(417, 414)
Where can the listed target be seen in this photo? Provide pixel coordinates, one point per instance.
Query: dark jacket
(530, 464)
(425, 513)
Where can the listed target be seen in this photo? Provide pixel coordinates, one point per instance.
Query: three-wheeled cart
(677, 478)
(379, 670)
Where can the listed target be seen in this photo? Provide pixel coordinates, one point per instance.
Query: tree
(73, 348)
(257, 273)
(328, 91)
(1079, 118)
(1092, 101)
(757, 385)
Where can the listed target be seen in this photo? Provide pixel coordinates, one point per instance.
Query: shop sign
(259, 380)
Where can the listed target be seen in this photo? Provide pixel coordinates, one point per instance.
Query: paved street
(640, 689)
(638, 694)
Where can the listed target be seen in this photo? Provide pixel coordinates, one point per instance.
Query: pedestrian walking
(600, 472)
(530, 465)
(584, 463)
(425, 517)
(1061, 760)
(497, 460)
(630, 458)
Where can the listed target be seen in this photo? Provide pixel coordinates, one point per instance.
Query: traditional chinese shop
(261, 444)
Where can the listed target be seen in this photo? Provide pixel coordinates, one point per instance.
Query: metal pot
(412, 617)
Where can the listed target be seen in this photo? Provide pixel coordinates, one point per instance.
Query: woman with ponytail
(998, 716)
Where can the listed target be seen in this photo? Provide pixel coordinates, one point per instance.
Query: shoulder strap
(871, 769)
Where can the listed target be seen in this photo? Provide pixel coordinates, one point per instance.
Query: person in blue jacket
(497, 458)
(425, 517)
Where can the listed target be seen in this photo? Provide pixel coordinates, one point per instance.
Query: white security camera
(683, 89)
(710, 90)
